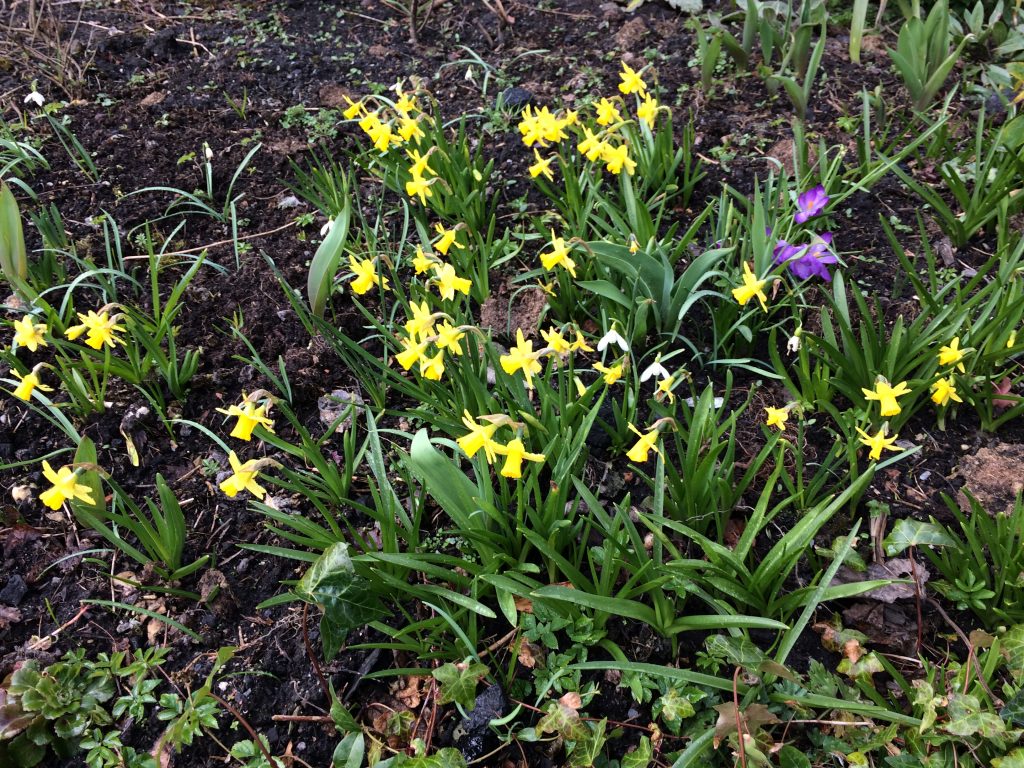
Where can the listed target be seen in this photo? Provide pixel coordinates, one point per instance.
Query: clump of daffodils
(481, 438)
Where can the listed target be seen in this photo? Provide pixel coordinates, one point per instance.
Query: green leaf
(324, 265)
(562, 720)
(349, 752)
(1012, 644)
(458, 682)
(13, 258)
(791, 757)
(924, 697)
(738, 651)
(1013, 711)
(673, 708)
(862, 669)
(347, 599)
(966, 718)
(444, 758)
(588, 748)
(641, 756)
(908, 533)
(1013, 760)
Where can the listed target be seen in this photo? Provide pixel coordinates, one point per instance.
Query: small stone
(473, 736)
(339, 403)
(14, 591)
(514, 98)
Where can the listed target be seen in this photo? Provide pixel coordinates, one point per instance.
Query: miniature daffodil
(542, 167)
(886, 395)
(611, 373)
(951, 354)
(776, 417)
(364, 275)
(641, 451)
(65, 487)
(29, 334)
(481, 436)
(243, 478)
(448, 282)
(28, 384)
(249, 417)
(751, 287)
(521, 358)
(632, 82)
(877, 443)
(558, 256)
(943, 391)
(515, 452)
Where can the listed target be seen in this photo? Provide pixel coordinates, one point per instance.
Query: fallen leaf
(750, 720)
(9, 616)
(410, 695)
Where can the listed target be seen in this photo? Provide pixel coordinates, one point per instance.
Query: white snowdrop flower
(207, 151)
(719, 402)
(793, 345)
(655, 369)
(326, 228)
(612, 337)
(35, 98)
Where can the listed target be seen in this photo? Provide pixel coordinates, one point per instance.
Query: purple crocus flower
(807, 261)
(811, 203)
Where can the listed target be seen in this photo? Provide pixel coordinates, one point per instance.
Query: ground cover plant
(512, 384)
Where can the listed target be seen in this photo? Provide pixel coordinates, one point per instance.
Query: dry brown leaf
(571, 700)
(410, 694)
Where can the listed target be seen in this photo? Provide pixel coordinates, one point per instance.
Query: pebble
(14, 591)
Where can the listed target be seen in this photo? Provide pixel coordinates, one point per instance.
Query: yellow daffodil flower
(556, 342)
(449, 337)
(422, 263)
(411, 353)
(29, 383)
(886, 395)
(607, 112)
(541, 127)
(448, 282)
(65, 487)
(542, 166)
(877, 443)
(447, 239)
(353, 109)
(480, 437)
(419, 165)
(422, 320)
(364, 275)
(943, 391)
(648, 111)
(521, 357)
(249, 417)
(101, 328)
(641, 452)
(1012, 340)
(952, 354)
(558, 256)
(243, 478)
(409, 128)
(515, 452)
(419, 187)
(631, 81)
(634, 245)
(751, 287)
(617, 158)
(611, 373)
(776, 417)
(432, 368)
(405, 104)
(591, 146)
(664, 390)
(580, 343)
(29, 334)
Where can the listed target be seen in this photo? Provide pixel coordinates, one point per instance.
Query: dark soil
(157, 83)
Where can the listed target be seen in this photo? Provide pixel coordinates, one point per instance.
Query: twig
(199, 248)
(970, 648)
(302, 719)
(271, 760)
(53, 635)
(739, 724)
(312, 656)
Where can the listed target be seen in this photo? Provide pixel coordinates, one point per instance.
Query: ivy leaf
(458, 682)
(791, 757)
(738, 651)
(751, 720)
(672, 708)
(347, 599)
(1013, 760)
(966, 718)
(349, 752)
(563, 720)
(641, 756)
(861, 669)
(1013, 647)
(448, 757)
(588, 748)
(1013, 711)
(908, 533)
(924, 697)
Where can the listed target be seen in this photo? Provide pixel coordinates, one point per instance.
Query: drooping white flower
(35, 98)
(655, 369)
(612, 337)
(326, 228)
